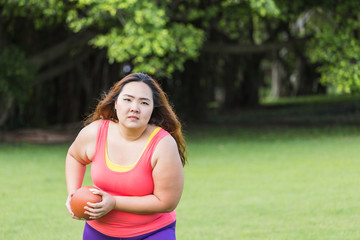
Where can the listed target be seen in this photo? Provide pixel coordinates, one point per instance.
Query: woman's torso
(133, 179)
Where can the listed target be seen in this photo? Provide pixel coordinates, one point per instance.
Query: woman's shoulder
(166, 150)
(90, 130)
(85, 142)
(167, 141)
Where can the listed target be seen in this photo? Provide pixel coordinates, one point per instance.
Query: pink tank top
(136, 181)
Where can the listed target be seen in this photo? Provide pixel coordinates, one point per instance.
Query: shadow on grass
(295, 112)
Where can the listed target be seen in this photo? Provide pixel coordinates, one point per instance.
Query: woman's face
(134, 105)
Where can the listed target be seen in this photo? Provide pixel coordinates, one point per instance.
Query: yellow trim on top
(119, 168)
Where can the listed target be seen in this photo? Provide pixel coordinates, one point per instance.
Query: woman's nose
(134, 107)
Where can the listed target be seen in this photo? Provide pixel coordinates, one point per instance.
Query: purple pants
(165, 233)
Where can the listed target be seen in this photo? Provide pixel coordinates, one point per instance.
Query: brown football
(79, 201)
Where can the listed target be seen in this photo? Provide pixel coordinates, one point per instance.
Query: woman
(134, 143)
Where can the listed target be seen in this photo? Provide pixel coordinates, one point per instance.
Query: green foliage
(265, 7)
(337, 46)
(16, 74)
(160, 51)
(44, 13)
(158, 37)
(140, 32)
(231, 18)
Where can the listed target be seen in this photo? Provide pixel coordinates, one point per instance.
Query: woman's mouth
(133, 118)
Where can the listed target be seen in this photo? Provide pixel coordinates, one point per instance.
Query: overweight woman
(134, 143)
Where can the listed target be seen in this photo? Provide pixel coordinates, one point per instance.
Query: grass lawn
(255, 183)
(272, 184)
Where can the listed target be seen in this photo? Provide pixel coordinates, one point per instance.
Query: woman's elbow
(169, 207)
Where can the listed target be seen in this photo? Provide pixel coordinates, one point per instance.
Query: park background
(267, 90)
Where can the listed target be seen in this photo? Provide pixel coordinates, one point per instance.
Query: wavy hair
(162, 115)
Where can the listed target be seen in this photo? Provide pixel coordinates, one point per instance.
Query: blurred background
(214, 58)
(268, 91)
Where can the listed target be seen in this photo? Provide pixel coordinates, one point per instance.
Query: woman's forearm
(143, 205)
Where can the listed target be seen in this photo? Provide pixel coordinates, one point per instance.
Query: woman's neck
(130, 134)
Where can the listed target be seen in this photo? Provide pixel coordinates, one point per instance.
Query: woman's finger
(68, 207)
(94, 210)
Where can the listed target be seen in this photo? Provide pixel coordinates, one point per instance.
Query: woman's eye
(127, 99)
(146, 103)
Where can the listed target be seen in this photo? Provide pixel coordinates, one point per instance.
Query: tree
(237, 40)
(15, 77)
(77, 48)
(336, 45)
(138, 32)
(58, 37)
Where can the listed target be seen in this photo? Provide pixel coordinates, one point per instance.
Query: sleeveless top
(134, 180)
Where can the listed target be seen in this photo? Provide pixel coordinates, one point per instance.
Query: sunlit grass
(241, 183)
(291, 184)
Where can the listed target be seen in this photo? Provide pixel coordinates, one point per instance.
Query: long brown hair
(162, 115)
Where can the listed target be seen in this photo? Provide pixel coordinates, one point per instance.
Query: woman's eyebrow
(142, 98)
(128, 95)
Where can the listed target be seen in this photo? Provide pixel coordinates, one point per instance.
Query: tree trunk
(275, 79)
(308, 80)
(3, 42)
(5, 108)
(232, 78)
(253, 76)
(187, 93)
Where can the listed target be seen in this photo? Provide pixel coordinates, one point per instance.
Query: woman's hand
(67, 204)
(98, 210)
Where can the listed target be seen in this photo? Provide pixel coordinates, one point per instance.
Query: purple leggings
(165, 233)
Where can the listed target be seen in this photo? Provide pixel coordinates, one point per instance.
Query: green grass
(251, 182)
(33, 193)
(272, 184)
(267, 183)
